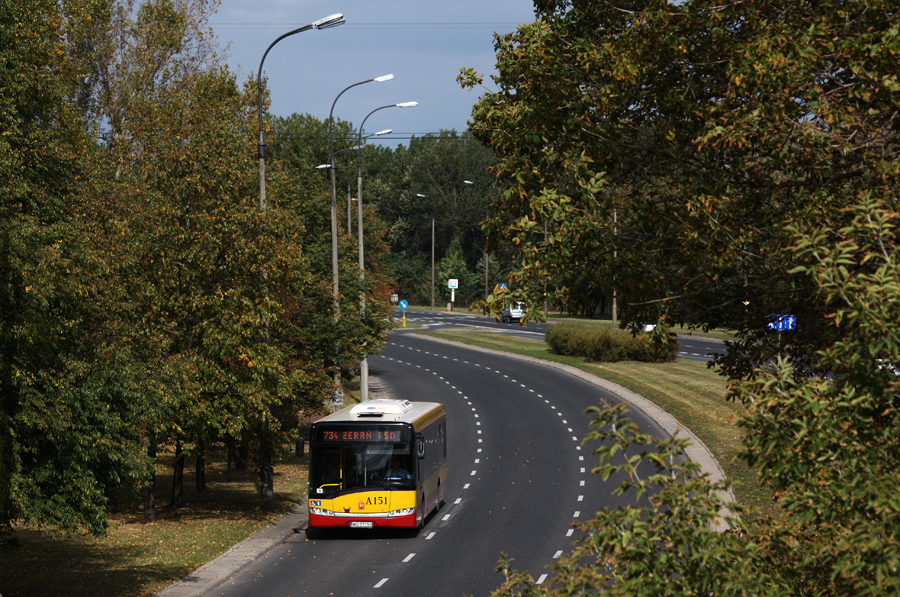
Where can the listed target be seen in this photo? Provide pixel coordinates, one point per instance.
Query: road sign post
(403, 306)
(452, 284)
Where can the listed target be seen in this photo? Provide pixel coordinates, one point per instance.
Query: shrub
(604, 344)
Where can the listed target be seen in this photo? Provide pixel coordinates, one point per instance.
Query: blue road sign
(404, 305)
(782, 322)
(502, 286)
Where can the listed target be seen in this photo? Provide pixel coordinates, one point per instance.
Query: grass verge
(688, 390)
(141, 558)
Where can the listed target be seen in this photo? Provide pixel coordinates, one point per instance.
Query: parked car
(512, 313)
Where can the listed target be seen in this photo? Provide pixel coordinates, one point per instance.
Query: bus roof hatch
(381, 407)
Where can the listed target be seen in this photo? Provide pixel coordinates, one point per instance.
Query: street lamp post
(326, 23)
(487, 263)
(338, 391)
(364, 364)
(432, 247)
(266, 474)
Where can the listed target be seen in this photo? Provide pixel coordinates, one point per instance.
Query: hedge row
(603, 344)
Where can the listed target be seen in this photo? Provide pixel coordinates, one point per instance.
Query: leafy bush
(608, 345)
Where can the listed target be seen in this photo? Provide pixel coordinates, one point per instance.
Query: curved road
(519, 476)
(693, 348)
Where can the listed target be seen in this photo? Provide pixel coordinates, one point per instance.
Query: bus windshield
(337, 469)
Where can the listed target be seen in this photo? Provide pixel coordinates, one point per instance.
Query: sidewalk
(287, 528)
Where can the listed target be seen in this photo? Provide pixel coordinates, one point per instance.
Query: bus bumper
(379, 521)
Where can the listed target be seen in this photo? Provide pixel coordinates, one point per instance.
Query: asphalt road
(693, 348)
(518, 477)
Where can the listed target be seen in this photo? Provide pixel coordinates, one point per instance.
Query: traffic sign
(453, 283)
(404, 305)
(782, 322)
(503, 286)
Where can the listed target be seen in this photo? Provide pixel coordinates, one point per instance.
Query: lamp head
(323, 166)
(408, 105)
(383, 78)
(421, 195)
(384, 132)
(468, 182)
(329, 21)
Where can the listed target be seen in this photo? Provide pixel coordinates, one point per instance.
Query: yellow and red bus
(380, 463)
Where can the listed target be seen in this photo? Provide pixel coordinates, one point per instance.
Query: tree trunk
(150, 491)
(243, 454)
(178, 477)
(266, 473)
(200, 471)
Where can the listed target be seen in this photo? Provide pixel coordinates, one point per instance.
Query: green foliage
(146, 297)
(69, 419)
(717, 164)
(669, 149)
(434, 166)
(453, 265)
(603, 344)
(829, 448)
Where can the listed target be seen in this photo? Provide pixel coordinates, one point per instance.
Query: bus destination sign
(393, 434)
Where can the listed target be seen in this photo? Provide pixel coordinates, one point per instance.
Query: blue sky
(423, 44)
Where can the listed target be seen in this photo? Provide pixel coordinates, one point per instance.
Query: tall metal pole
(615, 256)
(432, 257)
(487, 261)
(335, 288)
(266, 473)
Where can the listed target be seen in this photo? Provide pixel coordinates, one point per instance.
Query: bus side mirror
(420, 448)
(301, 444)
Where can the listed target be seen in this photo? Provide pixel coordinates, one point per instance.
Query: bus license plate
(361, 524)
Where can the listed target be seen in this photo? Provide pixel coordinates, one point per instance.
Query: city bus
(380, 463)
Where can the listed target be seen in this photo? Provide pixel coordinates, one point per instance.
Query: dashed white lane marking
(570, 531)
(541, 580)
(430, 535)
(380, 583)
(409, 557)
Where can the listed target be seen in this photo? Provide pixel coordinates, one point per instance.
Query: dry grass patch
(141, 558)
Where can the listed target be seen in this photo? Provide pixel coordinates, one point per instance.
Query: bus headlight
(321, 511)
(403, 512)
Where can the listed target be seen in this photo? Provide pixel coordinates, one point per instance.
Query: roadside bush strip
(606, 345)
(696, 450)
